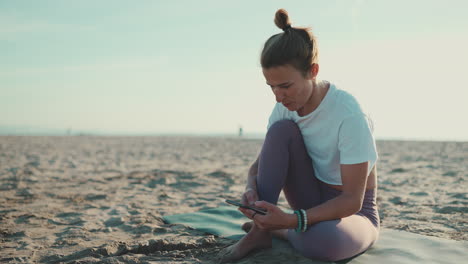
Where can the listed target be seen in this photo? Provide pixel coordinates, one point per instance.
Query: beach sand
(85, 199)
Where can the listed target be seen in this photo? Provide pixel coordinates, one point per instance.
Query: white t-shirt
(337, 132)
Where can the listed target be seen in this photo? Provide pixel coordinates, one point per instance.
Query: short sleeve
(356, 142)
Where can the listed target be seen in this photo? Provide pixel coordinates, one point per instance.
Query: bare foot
(281, 233)
(247, 226)
(254, 240)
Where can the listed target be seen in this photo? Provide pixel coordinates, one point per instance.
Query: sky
(192, 67)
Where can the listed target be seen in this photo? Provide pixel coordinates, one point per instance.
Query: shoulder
(347, 103)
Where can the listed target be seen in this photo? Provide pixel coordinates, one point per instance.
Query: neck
(314, 99)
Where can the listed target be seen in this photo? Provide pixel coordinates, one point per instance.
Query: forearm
(336, 208)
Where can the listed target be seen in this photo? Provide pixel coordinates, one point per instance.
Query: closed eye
(283, 86)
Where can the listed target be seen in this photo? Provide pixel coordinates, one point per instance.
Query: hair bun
(282, 19)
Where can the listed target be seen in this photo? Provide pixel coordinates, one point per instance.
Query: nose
(278, 94)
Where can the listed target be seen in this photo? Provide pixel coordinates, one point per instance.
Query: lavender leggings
(285, 165)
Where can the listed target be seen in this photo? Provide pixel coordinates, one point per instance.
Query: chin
(292, 107)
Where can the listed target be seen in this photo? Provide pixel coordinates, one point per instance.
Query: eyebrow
(281, 84)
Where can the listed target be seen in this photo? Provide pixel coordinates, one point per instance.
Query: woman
(319, 149)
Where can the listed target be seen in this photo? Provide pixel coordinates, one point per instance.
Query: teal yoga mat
(393, 246)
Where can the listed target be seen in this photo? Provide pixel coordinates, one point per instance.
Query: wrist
(292, 221)
(299, 220)
(251, 186)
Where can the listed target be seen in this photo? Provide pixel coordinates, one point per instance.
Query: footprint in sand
(26, 193)
(399, 170)
(452, 209)
(94, 196)
(398, 200)
(12, 234)
(114, 221)
(24, 219)
(68, 215)
(68, 218)
(450, 173)
(419, 193)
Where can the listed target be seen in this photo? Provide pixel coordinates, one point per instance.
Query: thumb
(264, 204)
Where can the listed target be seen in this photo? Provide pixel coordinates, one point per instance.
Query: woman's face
(289, 86)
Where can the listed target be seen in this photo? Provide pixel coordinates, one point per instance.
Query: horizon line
(8, 130)
(252, 135)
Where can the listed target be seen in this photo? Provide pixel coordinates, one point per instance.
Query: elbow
(353, 205)
(356, 206)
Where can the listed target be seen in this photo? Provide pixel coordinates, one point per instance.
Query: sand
(86, 199)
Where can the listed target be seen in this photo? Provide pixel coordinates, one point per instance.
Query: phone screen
(258, 210)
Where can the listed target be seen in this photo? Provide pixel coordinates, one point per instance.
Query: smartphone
(258, 210)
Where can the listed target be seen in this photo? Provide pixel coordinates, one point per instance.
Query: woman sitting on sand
(319, 149)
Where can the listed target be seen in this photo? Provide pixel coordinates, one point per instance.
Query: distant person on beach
(319, 150)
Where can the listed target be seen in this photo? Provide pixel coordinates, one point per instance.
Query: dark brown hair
(296, 46)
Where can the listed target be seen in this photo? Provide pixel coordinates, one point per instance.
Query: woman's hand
(249, 197)
(274, 219)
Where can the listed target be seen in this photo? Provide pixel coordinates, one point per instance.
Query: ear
(312, 74)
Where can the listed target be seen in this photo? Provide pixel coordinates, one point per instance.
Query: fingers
(248, 213)
(249, 197)
(253, 197)
(244, 199)
(264, 205)
(259, 220)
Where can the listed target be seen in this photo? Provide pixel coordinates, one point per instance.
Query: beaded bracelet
(304, 222)
(299, 221)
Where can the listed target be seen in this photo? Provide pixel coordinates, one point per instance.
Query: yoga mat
(393, 246)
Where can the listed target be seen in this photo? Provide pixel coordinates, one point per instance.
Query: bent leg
(284, 164)
(283, 160)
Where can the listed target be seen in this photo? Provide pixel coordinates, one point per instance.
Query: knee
(283, 128)
(322, 249)
(324, 245)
